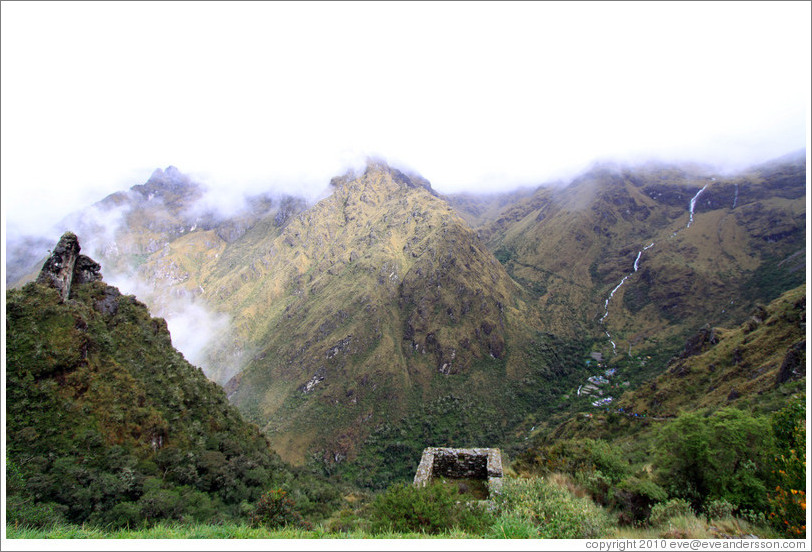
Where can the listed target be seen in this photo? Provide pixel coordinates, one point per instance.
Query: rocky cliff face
(66, 266)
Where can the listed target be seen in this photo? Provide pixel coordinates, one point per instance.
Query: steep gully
(691, 207)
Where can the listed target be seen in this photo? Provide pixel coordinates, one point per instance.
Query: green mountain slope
(571, 246)
(723, 427)
(357, 309)
(106, 422)
(721, 367)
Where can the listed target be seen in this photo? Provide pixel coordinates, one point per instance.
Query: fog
(195, 328)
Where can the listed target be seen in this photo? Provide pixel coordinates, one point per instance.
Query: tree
(721, 456)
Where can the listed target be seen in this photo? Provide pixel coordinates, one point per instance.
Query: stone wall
(461, 463)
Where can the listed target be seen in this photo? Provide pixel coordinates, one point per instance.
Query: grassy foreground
(683, 527)
(203, 531)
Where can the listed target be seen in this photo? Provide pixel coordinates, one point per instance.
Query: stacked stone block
(461, 463)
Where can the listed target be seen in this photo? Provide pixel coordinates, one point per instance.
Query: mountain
(386, 317)
(360, 306)
(674, 247)
(106, 422)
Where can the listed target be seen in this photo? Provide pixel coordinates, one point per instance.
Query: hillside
(720, 367)
(645, 255)
(375, 296)
(106, 422)
(721, 429)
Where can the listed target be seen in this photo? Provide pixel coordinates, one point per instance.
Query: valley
(355, 331)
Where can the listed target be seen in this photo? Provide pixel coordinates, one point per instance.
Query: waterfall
(636, 266)
(693, 204)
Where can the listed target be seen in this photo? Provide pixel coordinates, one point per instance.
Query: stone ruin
(461, 463)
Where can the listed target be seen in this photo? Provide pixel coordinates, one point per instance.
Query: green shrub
(721, 456)
(754, 518)
(598, 485)
(276, 509)
(582, 457)
(346, 520)
(161, 504)
(788, 500)
(556, 513)
(432, 509)
(634, 497)
(25, 513)
(718, 509)
(676, 507)
(124, 515)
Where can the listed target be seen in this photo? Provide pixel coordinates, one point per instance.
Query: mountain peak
(169, 184)
(171, 174)
(378, 170)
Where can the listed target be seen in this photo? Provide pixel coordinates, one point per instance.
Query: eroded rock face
(66, 267)
(794, 364)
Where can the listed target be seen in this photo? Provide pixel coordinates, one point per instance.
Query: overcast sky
(474, 96)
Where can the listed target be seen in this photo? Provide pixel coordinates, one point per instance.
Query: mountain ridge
(387, 294)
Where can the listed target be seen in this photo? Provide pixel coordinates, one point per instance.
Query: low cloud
(197, 331)
(201, 333)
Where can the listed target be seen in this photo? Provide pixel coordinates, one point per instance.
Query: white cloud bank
(473, 96)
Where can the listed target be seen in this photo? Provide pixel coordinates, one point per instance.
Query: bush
(722, 456)
(556, 513)
(664, 511)
(124, 514)
(719, 509)
(788, 500)
(161, 504)
(635, 498)
(25, 513)
(276, 509)
(346, 520)
(432, 509)
(582, 457)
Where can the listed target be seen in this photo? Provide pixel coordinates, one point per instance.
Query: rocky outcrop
(794, 364)
(66, 267)
(700, 342)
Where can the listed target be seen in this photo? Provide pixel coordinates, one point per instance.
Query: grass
(681, 527)
(695, 527)
(202, 531)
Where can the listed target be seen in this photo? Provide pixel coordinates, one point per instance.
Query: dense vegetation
(108, 424)
(723, 463)
(474, 409)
